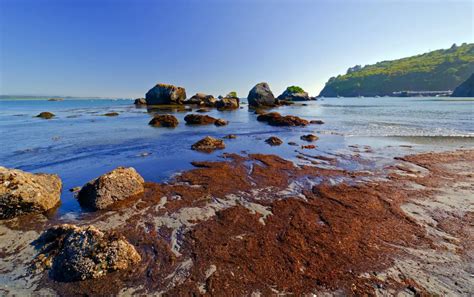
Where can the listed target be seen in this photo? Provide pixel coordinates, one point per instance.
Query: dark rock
(165, 94)
(23, 192)
(45, 115)
(76, 253)
(274, 141)
(228, 103)
(466, 89)
(294, 93)
(111, 114)
(56, 99)
(261, 95)
(140, 101)
(309, 146)
(208, 144)
(221, 122)
(309, 137)
(230, 136)
(316, 122)
(275, 119)
(202, 99)
(118, 184)
(164, 120)
(267, 116)
(202, 110)
(292, 143)
(197, 119)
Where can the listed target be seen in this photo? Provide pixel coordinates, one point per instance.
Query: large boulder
(276, 119)
(165, 94)
(116, 185)
(202, 99)
(22, 192)
(466, 89)
(208, 144)
(164, 120)
(294, 93)
(228, 103)
(261, 95)
(76, 253)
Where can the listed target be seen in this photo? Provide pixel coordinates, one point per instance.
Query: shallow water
(80, 143)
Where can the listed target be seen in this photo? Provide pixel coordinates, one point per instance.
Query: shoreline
(261, 224)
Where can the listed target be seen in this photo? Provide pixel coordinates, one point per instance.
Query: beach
(381, 205)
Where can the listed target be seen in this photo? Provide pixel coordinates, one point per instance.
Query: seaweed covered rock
(261, 95)
(273, 141)
(198, 119)
(294, 93)
(208, 144)
(23, 192)
(118, 184)
(165, 94)
(276, 119)
(164, 120)
(76, 253)
(46, 115)
(228, 103)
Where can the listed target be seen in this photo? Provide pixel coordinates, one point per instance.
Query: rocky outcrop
(466, 89)
(261, 95)
(202, 100)
(22, 192)
(228, 103)
(208, 144)
(140, 101)
(294, 93)
(273, 141)
(56, 99)
(46, 115)
(116, 185)
(309, 137)
(197, 119)
(74, 253)
(276, 119)
(165, 94)
(221, 122)
(164, 120)
(316, 122)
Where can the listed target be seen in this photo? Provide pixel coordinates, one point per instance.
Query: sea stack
(165, 94)
(261, 95)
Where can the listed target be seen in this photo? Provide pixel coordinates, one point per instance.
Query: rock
(56, 99)
(118, 184)
(230, 136)
(309, 146)
(231, 95)
(202, 110)
(202, 99)
(164, 120)
(292, 143)
(140, 101)
(220, 122)
(75, 189)
(76, 253)
(111, 114)
(260, 111)
(197, 119)
(309, 137)
(466, 89)
(23, 192)
(316, 122)
(261, 95)
(276, 119)
(208, 144)
(228, 103)
(46, 115)
(294, 93)
(165, 94)
(274, 141)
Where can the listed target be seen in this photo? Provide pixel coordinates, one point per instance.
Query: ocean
(80, 143)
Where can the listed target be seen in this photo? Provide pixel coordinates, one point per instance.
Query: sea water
(80, 143)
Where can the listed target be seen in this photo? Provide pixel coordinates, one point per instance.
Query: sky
(122, 48)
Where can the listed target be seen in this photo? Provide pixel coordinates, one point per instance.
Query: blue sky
(118, 48)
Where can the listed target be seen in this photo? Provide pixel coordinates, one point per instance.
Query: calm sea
(80, 143)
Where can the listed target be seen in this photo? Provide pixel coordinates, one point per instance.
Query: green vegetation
(232, 94)
(438, 70)
(294, 89)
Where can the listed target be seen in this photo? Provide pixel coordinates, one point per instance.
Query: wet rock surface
(197, 119)
(164, 120)
(46, 115)
(309, 137)
(165, 94)
(276, 119)
(22, 192)
(221, 122)
(202, 99)
(116, 185)
(208, 144)
(74, 253)
(228, 103)
(111, 114)
(140, 101)
(274, 141)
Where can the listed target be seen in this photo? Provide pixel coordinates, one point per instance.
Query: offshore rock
(164, 120)
(165, 94)
(261, 95)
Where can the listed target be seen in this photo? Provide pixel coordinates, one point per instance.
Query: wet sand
(262, 225)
